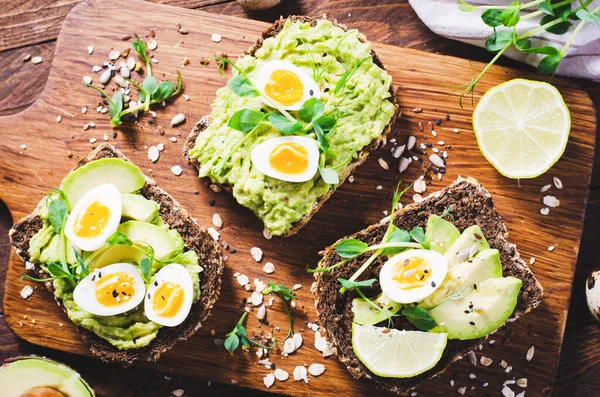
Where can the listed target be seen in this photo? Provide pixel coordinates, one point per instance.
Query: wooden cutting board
(27, 173)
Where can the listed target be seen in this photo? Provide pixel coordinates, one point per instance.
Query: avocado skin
(24, 373)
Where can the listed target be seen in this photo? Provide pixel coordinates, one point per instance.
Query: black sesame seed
(467, 312)
(447, 117)
(471, 322)
(112, 72)
(442, 170)
(104, 102)
(196, 191)
(429, 144)
(324, 54)
(471, 306)
(93, 277)
(474, 286)
(150, 121)
(155, 283)
(425, 271)
(115, 293)
(99, 274)
(212, 203)
(148, 296)
(115, 135)
(326, 89)
(233, 250)
(311, 92)
(433, 284)
(438, 121)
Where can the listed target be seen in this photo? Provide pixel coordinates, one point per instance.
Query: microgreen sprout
(238, 335)
(286, 295)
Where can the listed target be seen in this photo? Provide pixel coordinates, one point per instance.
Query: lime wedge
(397, 354)
(522, 127)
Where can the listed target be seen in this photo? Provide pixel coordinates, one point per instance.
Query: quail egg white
(286, 84)
(110, 290)
(95, 217)
(413, 275)
(592, 293)
(288, 158)
(170, 296)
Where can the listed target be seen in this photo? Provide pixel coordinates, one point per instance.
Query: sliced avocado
(30, 376)
(138, 208)
(117, 254)
(470, 243)
(472, 272)
(477, 314)
(124, 175)
(166, 242)
(365, 314)
(440, 234)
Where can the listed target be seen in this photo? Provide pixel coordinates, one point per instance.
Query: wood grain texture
(367, 178)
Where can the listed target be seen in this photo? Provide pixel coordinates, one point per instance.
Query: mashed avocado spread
(129, 330)
(326, 52)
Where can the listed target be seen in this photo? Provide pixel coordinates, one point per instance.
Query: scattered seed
(417, 198)
(105, 76)
(26, 57)
(532, 260)
(281, 375)
(152, 45)
(485, 361)
(383, 164)
(216, 37)
(269, 380)
(267, 234)
(261, 313)
(420, 186)
(178, 119)
(300, 373)
(551, 201)
(269, 268)
(557, 183)
(522, 382)
(58, 118)
(437, 161)
(472, 357)
(545, 211)
(256, 253)
(404, 163)
(421, 126)
(545, 188)
(176, 170)
(551, 248)
(434, 133)
(316, 369)
(456, 130)
(417, 110)
(217, 221)
(507, 392)
(125, 72)
(441, 143)
(397, 151)
(411, 142)
(26, 292)
(530, 353)
(462, 390)
(36, 60)
(90, 49)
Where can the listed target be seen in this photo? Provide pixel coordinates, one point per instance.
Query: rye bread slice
(471, 204)
(272, 31)
(195, 237)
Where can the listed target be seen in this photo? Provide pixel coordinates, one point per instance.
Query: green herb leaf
(351, 248)
(326, 123)
(57, 214)
(115, 106)
(311, 109)
(231, 343)
(119, 238)
(242, 86)
(146, 268)
(418, 234)
(547, 50)
(245, 120)
(419, 317)
(321, 137)
(150, 85)
(559, 29)
(281, 290)
(83, 268)
(356, 284)
(492, 18)
(549, 64)
(510, 17)
(140, 47)
(330, 176)
(546, 8)
(498, 41)
(57, 271)
(284, 125)
(396, 236)
(163, 91)
(588, 16)
(348, 75)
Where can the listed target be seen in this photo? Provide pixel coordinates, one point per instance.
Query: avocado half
(34, 376)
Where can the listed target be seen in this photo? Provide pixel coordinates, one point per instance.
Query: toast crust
(271, 31)
(472, 204)
(195, 237)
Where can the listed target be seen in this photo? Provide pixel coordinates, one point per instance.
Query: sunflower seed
(532, 260)
(261, 313)
(36, 60)
(105, 77)
(152, 45)
(131, 63)
(217, 221)
(58, 118)
(530, 353)
(84, 110)
(437, 161)
(316, 369)
(545, 188)
(178, 119)
(411, 142)
(216, 37)
(383, 164)
(397, 151)
(90, 49)
(114, 55)
(420, 186)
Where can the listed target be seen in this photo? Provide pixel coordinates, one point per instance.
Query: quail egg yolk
(412, 273)
(289, 158)
(92, 221)
(168, 299)
(285, 87)
(115, 288)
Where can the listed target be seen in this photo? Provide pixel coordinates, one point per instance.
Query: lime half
(522, 127)
(397, 354)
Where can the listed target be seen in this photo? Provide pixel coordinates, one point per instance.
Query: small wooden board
(421, 78)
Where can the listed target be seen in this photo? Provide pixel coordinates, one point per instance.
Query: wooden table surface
(31, 27)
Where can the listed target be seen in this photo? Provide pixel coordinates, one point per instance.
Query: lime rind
(390, 353)
(552, 98)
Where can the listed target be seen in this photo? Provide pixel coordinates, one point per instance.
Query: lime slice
(522, 127)
(397, 354)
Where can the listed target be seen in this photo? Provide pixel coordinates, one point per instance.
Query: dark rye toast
(361, 157)
(195, 237)
(471, 204)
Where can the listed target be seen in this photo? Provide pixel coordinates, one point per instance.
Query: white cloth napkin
(444, 18)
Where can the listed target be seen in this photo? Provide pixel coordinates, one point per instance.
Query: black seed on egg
(311, 92)
(467, 312)
(155, 283)
(326, 89)
(474, 286)
(433, 284)
(148, 296)
(324, 54)
(471, 322)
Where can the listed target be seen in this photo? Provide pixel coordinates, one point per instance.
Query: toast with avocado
(408, 296)
(125, 261)
(305, 106)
